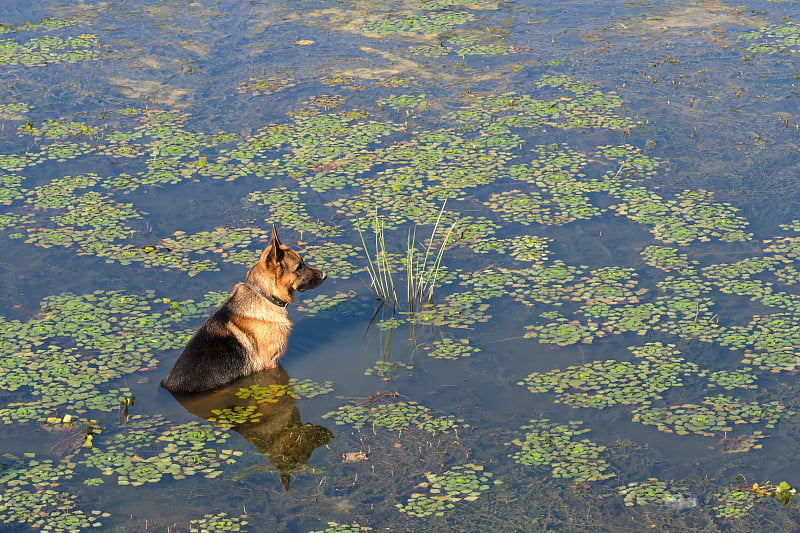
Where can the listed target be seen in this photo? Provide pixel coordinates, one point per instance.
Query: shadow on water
(274, 426)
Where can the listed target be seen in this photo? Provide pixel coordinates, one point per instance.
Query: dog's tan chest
(264, 341)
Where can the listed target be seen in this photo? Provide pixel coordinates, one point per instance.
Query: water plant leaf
(149, 449)
(396, 415)
(217, 522)
(716, 414)
(554, 446)
(335, 527)
(463, 483)
(448, 348)
(656, 492)
(601, 384)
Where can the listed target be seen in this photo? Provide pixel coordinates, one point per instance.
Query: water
(612, 341)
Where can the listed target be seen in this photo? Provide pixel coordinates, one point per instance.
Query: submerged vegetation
(507, 200)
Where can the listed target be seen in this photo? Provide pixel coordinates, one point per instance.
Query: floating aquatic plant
(774, 39)
(611, 285)
(668, 259)
(448, 348)
(308, 388)
(602, 384)
(144, 452)
(388, 369)
(785, 359)
(285, 205)
(527, 247)
(459, 310)
(41, 51)
(533, 207)
(349, 141)
(11, 188)
(554, 446)
(217, 522)
(691, 217)
(29, 496)
(260, 394)
(326, 305)
(429, 23)
(263, 86)
(716, 414)
(734, 503)
(655, 492)
(735, 379)
(563, 332)
(47, 23)
(337, 260)
(396, 415)
(443, 491)
(47, 510)
(546, 283)
(302, 388)
(335, 527)
(47, 355)
(231, 417)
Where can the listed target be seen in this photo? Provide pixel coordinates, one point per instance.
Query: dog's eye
(299, 268)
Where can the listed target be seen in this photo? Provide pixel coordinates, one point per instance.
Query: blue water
(692, 92)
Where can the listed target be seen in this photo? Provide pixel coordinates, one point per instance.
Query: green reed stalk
(421, 275)
(379, 271)
(422, 280)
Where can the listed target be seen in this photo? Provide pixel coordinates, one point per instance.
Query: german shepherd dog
(250, 330)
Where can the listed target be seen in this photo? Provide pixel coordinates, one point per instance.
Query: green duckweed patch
(297, 389)
(394, 415)
(335, 527)
(601, 384)
(563, 332)
(41, 51)
(555, 446)
(147, 450)
(655, 492)
(734, 503)
(714, 416)
(773, 39)
(30, 497)
(389, 369)
(431, 23)
(262, 86)
(692, 217)
(448, 348)
(464, 483)
(668, 259)
(76, 343)
(218, 522)
(735, 379)
(329, 305)
(325, 148)
(47, 23)
(231, 417)
(47, 510)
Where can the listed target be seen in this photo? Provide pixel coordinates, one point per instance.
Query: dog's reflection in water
(279, 432)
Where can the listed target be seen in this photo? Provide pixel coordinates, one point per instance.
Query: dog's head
(281, 271)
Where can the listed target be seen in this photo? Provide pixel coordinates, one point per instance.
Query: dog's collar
(271, 299)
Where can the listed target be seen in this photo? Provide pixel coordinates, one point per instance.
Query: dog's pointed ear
(273, 253)
(275, 238)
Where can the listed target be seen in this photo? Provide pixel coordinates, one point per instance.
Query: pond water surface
(597, 202)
